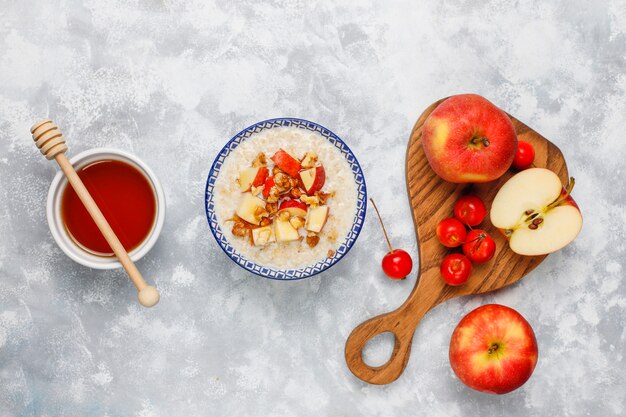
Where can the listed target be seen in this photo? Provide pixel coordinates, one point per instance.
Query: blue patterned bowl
(269, 272)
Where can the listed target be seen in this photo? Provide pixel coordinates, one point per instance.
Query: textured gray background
(172, 81)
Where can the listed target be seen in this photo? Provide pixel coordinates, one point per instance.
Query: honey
(126, 199)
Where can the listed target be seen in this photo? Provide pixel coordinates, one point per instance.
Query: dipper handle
(51, 143)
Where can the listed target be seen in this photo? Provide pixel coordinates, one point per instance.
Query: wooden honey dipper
(51, 143)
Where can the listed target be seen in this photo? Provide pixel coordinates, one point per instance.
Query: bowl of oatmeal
(285, 199)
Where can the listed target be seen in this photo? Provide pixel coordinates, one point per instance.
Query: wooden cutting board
(432, 200)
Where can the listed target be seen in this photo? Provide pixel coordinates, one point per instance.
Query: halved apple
(317, 218)
(294, 207)
(251, 208)
(286, 162)
(313, 179)
(285, 232)
(536, 213)
(252, 177)
(263, 235)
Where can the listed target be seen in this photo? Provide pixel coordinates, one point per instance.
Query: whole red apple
(493, 349)
(468, 139)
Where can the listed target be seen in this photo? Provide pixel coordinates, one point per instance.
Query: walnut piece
(240, 229)
(330, 253)
(282, 181)
(260, 160)
(312, 239)
(271, 208)
(283, 215)
(309, 160)
(323, 197)
(260, 212)
(274, 195)
(312, 200)
(295, 193)
(257, 190)
(276, 170)
(297, 222)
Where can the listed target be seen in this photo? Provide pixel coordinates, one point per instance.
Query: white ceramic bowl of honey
(128, 194)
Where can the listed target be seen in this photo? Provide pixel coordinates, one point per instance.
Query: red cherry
(479, 246)
(451, 232)
(397, 264)
(455, 269)
(470, 210)
(524, 156)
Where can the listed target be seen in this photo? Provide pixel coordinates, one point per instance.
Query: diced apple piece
(285, 232)
(263, 235)
(313, 179)
(286, 162)
(269, 183)
(252, 177)
(294, 207)
(249, 208)
(317, 218)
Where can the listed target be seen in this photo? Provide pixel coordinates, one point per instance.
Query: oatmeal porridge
(285, 198)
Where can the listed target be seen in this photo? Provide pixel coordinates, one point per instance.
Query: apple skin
(286, 162)
(261, 175)
(295, 207)
(318, 180)
(508, 366)
(452, 140)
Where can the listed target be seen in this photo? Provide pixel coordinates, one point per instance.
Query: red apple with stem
(397, 264)
(493, 349)
(468, 139)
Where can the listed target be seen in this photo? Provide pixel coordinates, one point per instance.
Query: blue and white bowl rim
(270, 272)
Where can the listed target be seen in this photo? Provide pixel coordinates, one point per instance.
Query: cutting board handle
(401, 323)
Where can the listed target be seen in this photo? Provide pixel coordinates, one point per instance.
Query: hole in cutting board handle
(379, 349)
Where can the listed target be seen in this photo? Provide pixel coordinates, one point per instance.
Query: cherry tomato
(451, 232)
(524, 156)
(479, 247)
(455, 269)
(397, 264)
(470, 210)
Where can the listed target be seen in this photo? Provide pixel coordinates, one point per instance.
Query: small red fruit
(451, 232)
(397, 263)
(479, 246)
(470, 210)
(524, 156)
(455, 269)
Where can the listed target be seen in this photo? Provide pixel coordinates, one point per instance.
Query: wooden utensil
(51, 143)
(432, 199)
